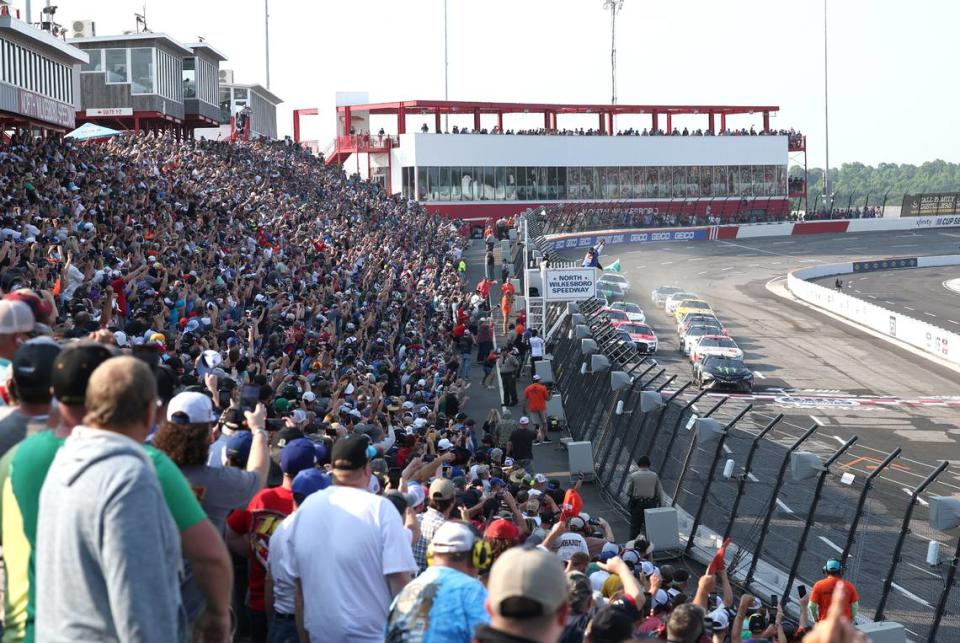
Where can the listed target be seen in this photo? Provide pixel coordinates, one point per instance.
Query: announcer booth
(133, 82)
(201, 94)
(38, 77)
(483, 161)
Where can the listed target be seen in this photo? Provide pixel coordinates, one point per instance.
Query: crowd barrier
(611, 237)
(925, 336)
(782, 528)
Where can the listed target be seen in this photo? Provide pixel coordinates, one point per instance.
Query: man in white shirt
(349, 553)
(281, 588)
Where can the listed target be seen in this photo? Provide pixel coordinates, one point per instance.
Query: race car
(718, 372)
(614, 279)
(610, 290)
(688, 306)
(615, 315)
(670, 305)
(634, 312)
(693, 335)
(715, 345)
(641, 335)
(659, 295)
(699, 318)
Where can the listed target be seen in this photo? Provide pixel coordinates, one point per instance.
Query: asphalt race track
(917, 292)
(816, 370)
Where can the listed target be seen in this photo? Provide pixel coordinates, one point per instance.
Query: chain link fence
(783, 528)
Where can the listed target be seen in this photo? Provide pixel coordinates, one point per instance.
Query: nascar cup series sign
(571, 284)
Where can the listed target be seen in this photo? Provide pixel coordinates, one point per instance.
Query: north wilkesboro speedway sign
(571, 284)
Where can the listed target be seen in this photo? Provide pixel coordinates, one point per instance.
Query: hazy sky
(893, 90)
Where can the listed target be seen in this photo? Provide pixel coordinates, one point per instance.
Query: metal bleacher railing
(782, 528)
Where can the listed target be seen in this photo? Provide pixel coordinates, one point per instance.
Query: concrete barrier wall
(922, 335)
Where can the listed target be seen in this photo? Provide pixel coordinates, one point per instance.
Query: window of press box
(115, 64)
(189, 78)
(509, 183)
(142, 73)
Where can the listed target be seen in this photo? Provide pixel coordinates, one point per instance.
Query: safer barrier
(923, 335)
(782, 528)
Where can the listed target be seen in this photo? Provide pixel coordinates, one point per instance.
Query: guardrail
(927, 337)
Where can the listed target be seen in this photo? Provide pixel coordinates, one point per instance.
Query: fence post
(712, 472)
(945, 594)
(686, 461)
(676, 425)
(904, 530)
(867, 484)
(663, 411)
(772, 505)
(811, 514)
(742, 479)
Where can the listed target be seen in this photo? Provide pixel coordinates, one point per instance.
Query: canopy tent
(89, 131)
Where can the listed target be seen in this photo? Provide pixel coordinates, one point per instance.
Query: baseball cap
(307, 482)
(532, 574)
(417, 495)
(540, 479)
(628, 607)
(611, 548)
(237, 447)
(444, 445)
(309, 397)
(15, 317)
(33, 364)
(524, 420)
(38, 306)
(350, 452)
(120, 338)
(833, 566)
(72, 368)
(536, 378)
(502, 528)
(233, 418)
(281, 404)
(442, 489)
(579, 588)
(720, 619)
(298, 455)
(452, 537)
(190, 408)
(299, 416)
(611, 623)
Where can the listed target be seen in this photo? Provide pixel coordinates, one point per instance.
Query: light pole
(266, 37)
(446, 65)
(828, 201)
(615, 6)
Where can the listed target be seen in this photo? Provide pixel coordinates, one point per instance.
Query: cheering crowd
(234, 383)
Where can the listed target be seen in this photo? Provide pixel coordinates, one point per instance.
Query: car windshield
(613, 279)
(696, 331)
(717, 342)
(695, 305)
(667, 290)
(637, 329)
(628, 307)
(613, 313)
(691, 319)
(722, 362)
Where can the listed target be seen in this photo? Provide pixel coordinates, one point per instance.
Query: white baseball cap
(190, 408)
(444, 445)
(121, 338)
(15, 317)
(524, 420)
(212, 359)
(309, 396)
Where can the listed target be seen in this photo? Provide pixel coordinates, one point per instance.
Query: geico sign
(684, 235)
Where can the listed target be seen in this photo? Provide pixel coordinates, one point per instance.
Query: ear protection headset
(481, 556)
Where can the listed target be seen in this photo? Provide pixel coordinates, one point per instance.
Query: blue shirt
(439, 605)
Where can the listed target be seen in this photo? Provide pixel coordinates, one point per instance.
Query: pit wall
(745, 231)
(924, 336)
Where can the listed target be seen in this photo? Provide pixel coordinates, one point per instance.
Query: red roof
(469, 107)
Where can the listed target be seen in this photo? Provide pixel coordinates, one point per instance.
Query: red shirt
(537, 395)
(262, 516)
(822, 593)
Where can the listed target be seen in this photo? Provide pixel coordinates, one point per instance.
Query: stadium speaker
(619, 380)
(661, 528)
(944, 512)
(650, 401)
(708, 430)
(588, 346)
(582, 330)
(599, 363)
(578, 319)
(580, 458)
(573, 307)
(804, 465)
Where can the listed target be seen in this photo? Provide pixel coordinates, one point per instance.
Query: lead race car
(718, 372)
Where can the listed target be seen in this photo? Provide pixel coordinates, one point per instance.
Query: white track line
(832, 545)
(817, 420)
(784, 507)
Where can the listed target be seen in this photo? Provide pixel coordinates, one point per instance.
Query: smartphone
(249, 396)
(801, 590)
(774, 600)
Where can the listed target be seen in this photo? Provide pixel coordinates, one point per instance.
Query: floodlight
(708, 430)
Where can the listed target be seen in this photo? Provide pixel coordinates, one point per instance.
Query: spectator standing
(822, 592)
(31, 368)
(465, 346)
(484, 339)
(108, 553)
(250, 529)
(509, 365)
(527, 598)
(504, 271)
(345, 593)
(504, 427)
(645, 492)
(490, 262)
(538, 347)
(535, 398)
(16, 321)
(281, 590)
(520, 445)
(440, 500)
(445, 603)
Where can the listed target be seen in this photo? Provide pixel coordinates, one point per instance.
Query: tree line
(854, 184)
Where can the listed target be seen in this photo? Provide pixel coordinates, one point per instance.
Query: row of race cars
(716, 358)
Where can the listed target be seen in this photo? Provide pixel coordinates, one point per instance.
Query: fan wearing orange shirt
(822, 592)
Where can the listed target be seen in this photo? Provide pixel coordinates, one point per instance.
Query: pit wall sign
(571, 284)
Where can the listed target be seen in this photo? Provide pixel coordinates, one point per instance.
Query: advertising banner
(920, 205)
(571, 284)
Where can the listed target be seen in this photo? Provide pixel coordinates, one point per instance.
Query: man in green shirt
(22, 473)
